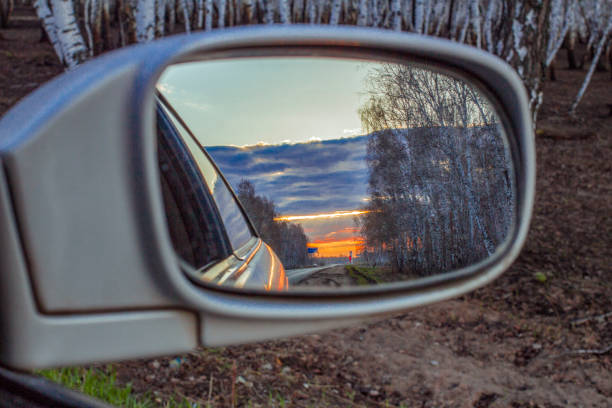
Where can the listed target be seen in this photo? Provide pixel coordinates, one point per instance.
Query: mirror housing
(88, 272)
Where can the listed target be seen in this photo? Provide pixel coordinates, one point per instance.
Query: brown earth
(335, 276)
(517, 343)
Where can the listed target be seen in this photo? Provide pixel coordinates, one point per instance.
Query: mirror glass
(283, 173)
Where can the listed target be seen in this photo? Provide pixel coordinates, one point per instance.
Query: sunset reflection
(333, 234)
(337, 248)
(334, 214)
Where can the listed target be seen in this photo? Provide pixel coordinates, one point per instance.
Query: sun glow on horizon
(337, 248)
(334, 214)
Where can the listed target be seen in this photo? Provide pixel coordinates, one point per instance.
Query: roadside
(519, 342)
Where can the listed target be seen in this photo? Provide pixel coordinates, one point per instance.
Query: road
(295, 276)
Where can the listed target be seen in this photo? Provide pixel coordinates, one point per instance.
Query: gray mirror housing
(87, 270)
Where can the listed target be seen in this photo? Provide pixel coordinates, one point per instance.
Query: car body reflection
(211, 235)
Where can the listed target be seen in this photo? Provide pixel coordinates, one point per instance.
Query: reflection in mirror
(350, 172)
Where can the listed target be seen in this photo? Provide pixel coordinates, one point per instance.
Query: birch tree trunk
(560, 23)
(221, 8)
(171, 15)
(335, 13)
(87, 23)
(419, 15)
(396, 15)
(526, 33)
(475, 21)
(362, 17)
(283, 10)
(522, 41)
(187, 20)
(45, 14)
(208, 7)
(160, 17)
(488, 25)
(69, 35)
(600, 47)
(144, 15)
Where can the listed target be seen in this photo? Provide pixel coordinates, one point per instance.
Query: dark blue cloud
(301, 178)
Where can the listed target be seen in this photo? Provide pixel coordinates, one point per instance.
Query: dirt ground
(336, 276)
(519, 342)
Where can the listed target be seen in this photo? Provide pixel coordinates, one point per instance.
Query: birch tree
(527, 34)
(144, 16)
(599, 50)
(45, 14)
(441, 195)
(60, 23)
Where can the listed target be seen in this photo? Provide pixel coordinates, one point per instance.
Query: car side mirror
(127, 230)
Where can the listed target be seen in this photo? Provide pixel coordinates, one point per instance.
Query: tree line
(526, 33)
(286, 239)
(440, 183)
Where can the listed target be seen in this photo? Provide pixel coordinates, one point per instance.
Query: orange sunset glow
(334, 234)
(329, 248)
(335, 214)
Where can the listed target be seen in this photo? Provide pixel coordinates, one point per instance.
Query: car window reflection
(237, 227)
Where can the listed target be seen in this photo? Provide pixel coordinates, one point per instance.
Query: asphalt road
(295, 276)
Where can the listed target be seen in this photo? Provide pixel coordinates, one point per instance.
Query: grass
(364, 275)
(102, 384)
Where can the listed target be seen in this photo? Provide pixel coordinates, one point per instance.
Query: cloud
(203, 107)
(165, 88)
(353, 132)
(301, 178)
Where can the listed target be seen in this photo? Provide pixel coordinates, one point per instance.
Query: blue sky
(268, 99)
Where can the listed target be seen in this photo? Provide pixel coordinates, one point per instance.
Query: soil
(336, 276)
(523, 341)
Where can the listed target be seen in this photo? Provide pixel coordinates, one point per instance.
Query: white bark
(171, 13)
(186, 19)
(334, 16)
(488, 25)
(458, 19)
(68, 33)
(362, 17)
(311, 11)
(160, 17)
(475, 20)
(600, 47)
(269, 15)
(464, 26)
(407, 14)
(375, 17)
(428, 17)
(283, 10)
(144, 16)
(396, 16)
(320, 6)
(48, 22)
(200, 14)
(440, 11)
(87, 24)
(208, 7)
(555, 43)
(419, 15)
(221, 6)
(297, 11)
